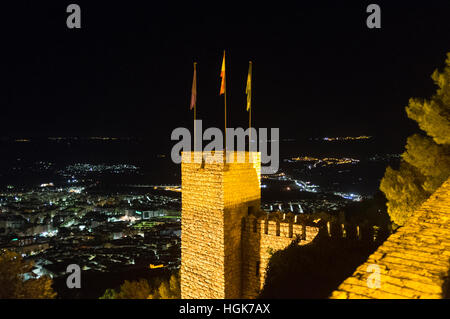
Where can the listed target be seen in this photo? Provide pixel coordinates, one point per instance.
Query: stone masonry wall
(263, 236)
(413, 261)
(215, 198)
(225, 247)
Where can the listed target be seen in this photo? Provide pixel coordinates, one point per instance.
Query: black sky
(318, 70)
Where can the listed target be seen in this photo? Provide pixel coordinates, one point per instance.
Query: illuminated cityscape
(78, 211)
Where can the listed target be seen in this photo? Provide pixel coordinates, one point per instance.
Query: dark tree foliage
(12, 281)
(159, 288)
(426, 162)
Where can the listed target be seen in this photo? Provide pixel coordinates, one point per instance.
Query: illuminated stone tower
(216, 196)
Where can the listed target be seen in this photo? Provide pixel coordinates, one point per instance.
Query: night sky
(317, 69)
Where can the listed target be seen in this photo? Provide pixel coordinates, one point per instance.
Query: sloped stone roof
(413, 261)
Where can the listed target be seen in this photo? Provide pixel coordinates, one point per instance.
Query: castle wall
(225, 249)
(413, 262)
(262, 237)
(215, 198)
(242, 194)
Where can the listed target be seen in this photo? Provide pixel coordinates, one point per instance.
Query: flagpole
(225, 98)
(250, 128)
(249, 104)
(195, 106)
(250, 116)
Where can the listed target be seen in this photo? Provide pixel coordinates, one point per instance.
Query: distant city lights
(346, 138)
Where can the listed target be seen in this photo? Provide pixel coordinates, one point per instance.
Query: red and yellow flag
(194, 88)
(222, 75)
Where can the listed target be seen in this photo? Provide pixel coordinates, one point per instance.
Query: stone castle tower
(225, 239)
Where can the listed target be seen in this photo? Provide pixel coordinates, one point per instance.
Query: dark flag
(194, 88)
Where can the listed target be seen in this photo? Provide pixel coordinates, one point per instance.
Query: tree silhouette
(13, 284)
(168, 289)
(158, 289)
(425, 164)
(134, 290)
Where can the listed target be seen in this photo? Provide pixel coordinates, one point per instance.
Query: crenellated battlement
(227, 240)
(289, 225)
(264, 233)
(278, 224)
